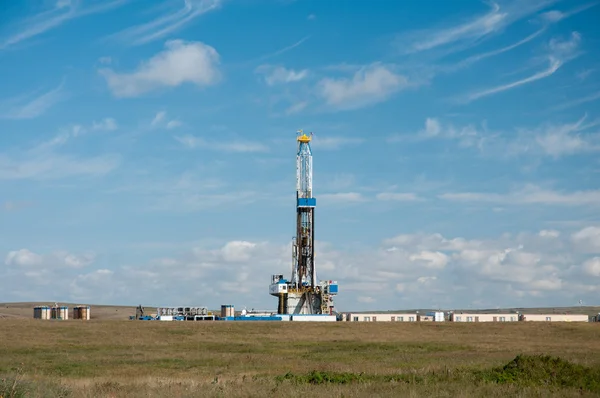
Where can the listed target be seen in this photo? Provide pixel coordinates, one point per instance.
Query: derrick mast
(302, 294)
(304, 273)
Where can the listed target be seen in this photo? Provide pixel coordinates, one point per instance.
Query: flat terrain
(101, 358)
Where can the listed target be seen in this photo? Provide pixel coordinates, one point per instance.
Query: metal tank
(227, 311)
(84, 312)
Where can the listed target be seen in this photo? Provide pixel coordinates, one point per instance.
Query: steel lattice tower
(302, 294)
(304, 272)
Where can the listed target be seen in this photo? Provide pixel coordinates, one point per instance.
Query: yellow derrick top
(303, 138)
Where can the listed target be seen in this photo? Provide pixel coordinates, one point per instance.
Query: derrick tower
(302, 294)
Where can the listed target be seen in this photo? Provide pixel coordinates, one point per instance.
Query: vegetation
(186, 359)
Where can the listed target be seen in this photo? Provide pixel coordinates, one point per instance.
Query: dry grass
(141, 358)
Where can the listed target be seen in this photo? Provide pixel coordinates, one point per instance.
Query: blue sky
(147, 152)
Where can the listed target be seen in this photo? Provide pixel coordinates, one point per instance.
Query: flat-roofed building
(554, 318)
(403, 317)
(471, 317)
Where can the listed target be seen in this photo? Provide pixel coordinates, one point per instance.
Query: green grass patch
(524, 370)
(544, 370)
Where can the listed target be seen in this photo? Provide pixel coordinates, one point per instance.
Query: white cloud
(181, 62)
(23, 258)
(160, 116)
(25, 107)
(369, 85)
(62, 12)
(193, 142)
(166, 24)
(430, 259)
(55, 260)
(278, 74)
(592, 266)
(238, 251)
(406, 271)
(587, 239)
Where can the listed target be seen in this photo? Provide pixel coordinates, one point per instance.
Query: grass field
(100, 358)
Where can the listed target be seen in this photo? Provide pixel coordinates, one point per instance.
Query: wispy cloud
(473, 30)
(107, 124)
(325, 142)
(564, 139)
(398, 196)
(283, 50)
(181, 62)
(15, 205)
(278, 74)
(467, 136)
(47, 159)
(193, 142)
(343, 197)
(530, 194)
(548, 139)
(166, 24)
(52, 165)
(553, 67)
(160, 120)
(62, 12)
(588, 98)
(556, 15)
(560, 52)
(295, 108)
(25, 107)
(478, 57)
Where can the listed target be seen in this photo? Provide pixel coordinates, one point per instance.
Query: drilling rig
(302, 294)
